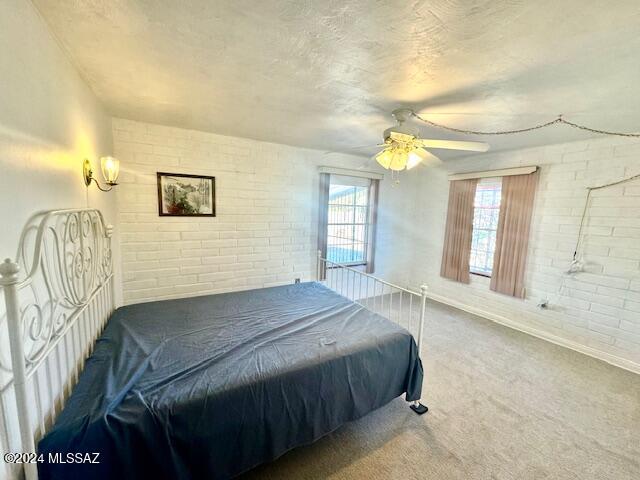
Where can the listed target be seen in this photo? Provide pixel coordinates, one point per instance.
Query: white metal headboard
(53, 315)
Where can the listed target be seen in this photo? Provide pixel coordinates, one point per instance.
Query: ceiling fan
(404, 149)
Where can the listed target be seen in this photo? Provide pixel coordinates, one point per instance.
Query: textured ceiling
(326, 74)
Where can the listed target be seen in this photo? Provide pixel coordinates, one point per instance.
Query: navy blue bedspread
(209, 387)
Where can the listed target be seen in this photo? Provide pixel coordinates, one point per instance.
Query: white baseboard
(592, 352)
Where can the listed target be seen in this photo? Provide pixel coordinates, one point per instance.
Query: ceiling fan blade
(361, 147)
(453, 145)
(366, 146)
(422, 156)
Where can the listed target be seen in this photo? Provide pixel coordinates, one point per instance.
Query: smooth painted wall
(49, 122)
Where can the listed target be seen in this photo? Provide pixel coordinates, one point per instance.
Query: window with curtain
(486, 213)
(348, 220)
(488, 226)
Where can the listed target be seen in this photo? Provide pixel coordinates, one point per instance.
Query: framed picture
(181, 195)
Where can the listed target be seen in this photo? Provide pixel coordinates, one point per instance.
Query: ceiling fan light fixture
(399, 159)
(384, 158)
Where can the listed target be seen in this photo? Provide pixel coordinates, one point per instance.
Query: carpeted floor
(503, 405)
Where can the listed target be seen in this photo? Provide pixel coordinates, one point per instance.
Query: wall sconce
(110, 170)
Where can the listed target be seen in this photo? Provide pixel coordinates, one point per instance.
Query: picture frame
(186, 195)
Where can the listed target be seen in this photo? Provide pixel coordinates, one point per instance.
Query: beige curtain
(373, 222)
(512, 241)
(323, 218)
(459, 228)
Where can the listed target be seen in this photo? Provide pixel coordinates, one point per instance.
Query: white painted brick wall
(266, 224)
(599, 308)
(265, 231)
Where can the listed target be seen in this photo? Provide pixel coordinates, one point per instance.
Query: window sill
(355, 264)
(480, 274)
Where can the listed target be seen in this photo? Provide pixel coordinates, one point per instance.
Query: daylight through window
(485, 225)
(348, 220)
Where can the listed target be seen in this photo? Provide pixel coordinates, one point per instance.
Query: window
(485, 225)
(348, 220)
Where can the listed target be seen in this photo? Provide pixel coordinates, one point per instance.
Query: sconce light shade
(110, 169)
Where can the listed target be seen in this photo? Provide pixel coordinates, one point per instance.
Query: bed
(210, 386)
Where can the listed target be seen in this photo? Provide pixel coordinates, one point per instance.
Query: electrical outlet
(543, 304)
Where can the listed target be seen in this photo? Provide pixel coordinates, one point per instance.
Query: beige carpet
(503, 405)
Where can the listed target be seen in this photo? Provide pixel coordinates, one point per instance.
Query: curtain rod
(351, 173)
(503, 172)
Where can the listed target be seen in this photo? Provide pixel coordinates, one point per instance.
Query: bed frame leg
(419, 408)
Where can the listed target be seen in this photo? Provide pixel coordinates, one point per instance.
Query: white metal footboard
(53, 314)
(400, 305)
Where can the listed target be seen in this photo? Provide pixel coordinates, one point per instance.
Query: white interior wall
(597, 312)
(49, 122)
(265, 231)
